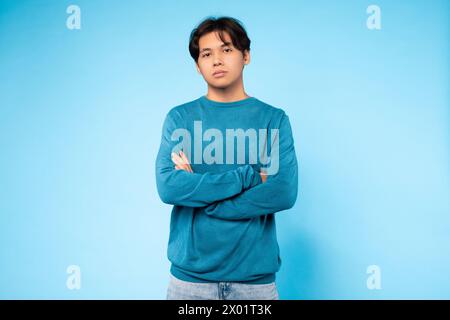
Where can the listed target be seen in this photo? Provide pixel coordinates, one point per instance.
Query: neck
(228, 94)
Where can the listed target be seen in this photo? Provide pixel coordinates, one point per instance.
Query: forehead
(212, 40)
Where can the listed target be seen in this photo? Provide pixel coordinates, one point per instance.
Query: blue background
(80, 122)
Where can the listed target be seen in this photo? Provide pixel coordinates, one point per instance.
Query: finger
(179, 162)
(183, 156)
(176, 159)
(263, 176)
(186, 160)
(179, 168)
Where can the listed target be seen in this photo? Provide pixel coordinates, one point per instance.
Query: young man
(227, 163)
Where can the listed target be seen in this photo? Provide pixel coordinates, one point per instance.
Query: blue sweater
(223, 218)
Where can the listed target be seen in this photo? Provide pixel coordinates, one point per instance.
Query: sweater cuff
(250, 177)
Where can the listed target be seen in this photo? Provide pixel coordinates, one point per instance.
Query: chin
(220, 83)
(220, 87)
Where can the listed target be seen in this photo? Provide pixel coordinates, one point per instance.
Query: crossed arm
(182, 163)
(187, 188)
(243, 193)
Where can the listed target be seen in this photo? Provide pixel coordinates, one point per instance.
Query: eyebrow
(225, 44)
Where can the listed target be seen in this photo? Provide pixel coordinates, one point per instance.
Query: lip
(219, 73)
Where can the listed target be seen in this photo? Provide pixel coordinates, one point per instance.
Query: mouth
(219, 74)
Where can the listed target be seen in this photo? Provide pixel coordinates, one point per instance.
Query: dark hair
(230, 25)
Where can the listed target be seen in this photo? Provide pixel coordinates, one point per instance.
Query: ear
(246, 56)
(198, 69)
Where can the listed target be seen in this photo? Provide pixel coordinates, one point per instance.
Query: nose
(217, 60)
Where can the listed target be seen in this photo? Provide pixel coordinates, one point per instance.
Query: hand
(263, 176)
(181, 162)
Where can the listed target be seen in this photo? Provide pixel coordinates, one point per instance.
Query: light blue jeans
(184, 290)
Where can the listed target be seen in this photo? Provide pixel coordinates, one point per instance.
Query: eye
(227, 50)
(205, 55)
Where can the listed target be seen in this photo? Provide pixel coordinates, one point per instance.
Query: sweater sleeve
(178, 187)
(278, 193)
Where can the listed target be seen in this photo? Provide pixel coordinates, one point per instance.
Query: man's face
(215, 56)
